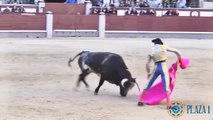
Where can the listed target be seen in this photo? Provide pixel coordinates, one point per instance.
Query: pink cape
(156, 93)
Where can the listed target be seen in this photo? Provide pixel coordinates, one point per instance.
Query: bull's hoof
(140, 104)
(75, 89)
(123, 95)
(95, 93)
(87, 88)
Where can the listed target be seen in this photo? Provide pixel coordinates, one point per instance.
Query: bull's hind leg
(82, 78)
(85, 71)
(99, 85)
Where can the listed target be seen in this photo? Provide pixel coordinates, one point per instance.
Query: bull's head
(126, 85)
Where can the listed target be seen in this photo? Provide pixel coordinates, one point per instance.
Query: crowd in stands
(134, 8)
(20, 1)
(14, 9)
(134, 11)
(134, 3)
(174, 3)
(140, 3)
(107, 10)
(130, 11)
(119, 3)
(109, 7)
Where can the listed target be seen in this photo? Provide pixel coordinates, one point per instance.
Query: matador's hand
(149, 74)
(179, 61)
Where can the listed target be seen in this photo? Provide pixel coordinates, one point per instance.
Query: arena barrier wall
(17, 21)
(75, 25)
(164, 23)
(22, 25)
(71, 21)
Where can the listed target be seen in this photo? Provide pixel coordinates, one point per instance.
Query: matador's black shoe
(140, 104)
(168, 107)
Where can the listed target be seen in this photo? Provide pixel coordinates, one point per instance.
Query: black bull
(109, 66)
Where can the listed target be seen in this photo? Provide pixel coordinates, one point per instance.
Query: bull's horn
(138, 86)
(123, 81)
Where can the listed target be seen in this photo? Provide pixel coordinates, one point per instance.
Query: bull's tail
(72, 59)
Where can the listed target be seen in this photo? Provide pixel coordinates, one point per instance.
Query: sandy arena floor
(37, 84)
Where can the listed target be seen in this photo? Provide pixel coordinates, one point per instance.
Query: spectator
(168, 13)
(133, 3)
(15, 9)
(115, 3)
(80, 1)
(108, 10)
(111, 10)
(97, 11)
(175, 12)
(150, 12)
(132, 11)
(142, 12)
(7, 9)
(181, 4)
(165, 3)
(121, 3)
(96, 2)
(172, 13)
(21, 9)
(143, 4)
(128, 12)
(173, 3)
(106, 3)
(70, 1)
(125, 3)
(114, 11)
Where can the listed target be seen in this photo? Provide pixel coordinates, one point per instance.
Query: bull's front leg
(123, 91)
(100, 84)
